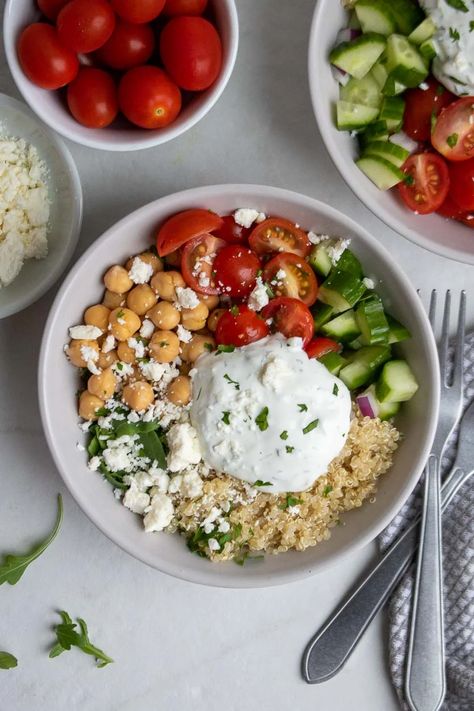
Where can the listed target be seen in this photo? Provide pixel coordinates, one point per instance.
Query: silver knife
(333, 643)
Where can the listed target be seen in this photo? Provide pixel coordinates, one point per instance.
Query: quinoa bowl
(289, 523)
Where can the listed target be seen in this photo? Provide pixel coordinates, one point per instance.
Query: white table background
(179, 646)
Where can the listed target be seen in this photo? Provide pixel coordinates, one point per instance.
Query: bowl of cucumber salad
(392, 84)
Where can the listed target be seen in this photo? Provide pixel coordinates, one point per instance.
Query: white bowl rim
(42, 287)
(155, 138)
(239, 580)
(357, 187)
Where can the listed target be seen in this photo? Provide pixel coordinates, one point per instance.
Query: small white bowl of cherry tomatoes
(121, 75)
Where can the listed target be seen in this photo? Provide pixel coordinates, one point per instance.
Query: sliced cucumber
(353, 116)
(380, 171)
(392, 108)
(353, 23)
(376, 131)
(333, 362)
(383, 410)
(343, 328)
(371, 320)
(390, 151)
(393, 88)
(358, 57)
(428, 50)
(404, 62)
(423, 32)
(397, 331)
(356, 345)
(341, 290)
(364, 366)
(407, 13)
(365, 91)
(322, 313)
(375, 16)
(397, 382)
(379, 73)
(348, 262)
(320, 260)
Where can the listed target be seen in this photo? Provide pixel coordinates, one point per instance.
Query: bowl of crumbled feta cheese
(40, 207)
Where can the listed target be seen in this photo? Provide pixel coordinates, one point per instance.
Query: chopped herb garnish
(164, 344)
(284, 435)
(259, 272)
(454, 34)
(335, 390)
(409, 179)
(208, 346)
(456, 80)
(269, 289)
(289, 449)
(290, 501)
(199, 394)
(68, 637)
(259, 482)
(262, 419)
(143, 360)
(458, 5)
(327, 490)
(225, 417)
(232, 382)
(234, 310)
(434, 119)
(8, 661)
(303, 407)
(102, 412)
(120, 314)
(440, 90)
(221, 348)
(471, 26)
(452, 140)
(312, 426)
(197, 542)
(119, 366)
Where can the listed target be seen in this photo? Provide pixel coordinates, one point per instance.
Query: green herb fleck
(335, 390)
(119, 365)
(259, 272)
(440, 90)
(102, 412)
(68, 637)
(208, 346)
(221, 348)
(409, 179)
(121, 313)
(458, 5)
(270, 291)
(454, 34)
(456, 80)
(452, 140)
(259, 482)
(7, 661)
(433, 122)
(234, 310)
(312, 426)
(226, 417)
(284, 435)
(327, 490)
(199, 394)
(165, 344)
(289, 449)
(262, 419)
(471, 26)
(232, 382)
(303, 407)
(290, 501)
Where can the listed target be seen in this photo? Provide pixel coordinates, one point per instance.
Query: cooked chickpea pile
(152, 307)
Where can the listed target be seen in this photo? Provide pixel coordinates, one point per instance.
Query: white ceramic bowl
(446, 237)
(58, 384)
(121, 136)
(65, 194)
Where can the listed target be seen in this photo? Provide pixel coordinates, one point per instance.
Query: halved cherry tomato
(236, 268)
(191, 51)
(138, 11)
(318, 347)
(422, 106)
(290, 317)
(231, 231)
(85, 25)
(148, 97)
(453, 135)
(51, 8)
(129, 46)
(92, 98)
(183, 226)
(185, 7)
(197, 263)
(298, 280)
(279, 235)
(44, 59)
(451, 210)
(427, 184)
(461, 175)
(240, 326)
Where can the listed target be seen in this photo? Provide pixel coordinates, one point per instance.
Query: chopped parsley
(197, 542)
(289, 449)
(269, 289)
(232, 382)
(208, 346)
(303, 407)
(312, 426)
(259, 272)
(335, 390)
(234, 310)
(8, 661)
(165, 344)
(434, 119)
(327, 490)
(456, 80)
(409, 179)
(471, 26)
(458, 5)
(284, 435)
(454, 34)
(121, 313)
(102, 412)
(290, 501)
(262, 419)
(119, 365)
(452, 140)
(259, 482)
(225, 417)
(222, 348)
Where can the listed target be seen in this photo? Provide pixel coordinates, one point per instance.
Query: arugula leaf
(458, 5)
(262, 419)
(153, 448)
(7, 661)
(471, 26)
(68, 637)
(197, 542)
(13, 566)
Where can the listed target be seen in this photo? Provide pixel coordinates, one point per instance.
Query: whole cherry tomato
(85, 25)
(236, 269)
(239, 327)
(149, 98)
(138, 11)
(129, 46)
(51, 8)
(191, 51)
(422, 106)
(44, 59)
(185, 7)
(92, 98)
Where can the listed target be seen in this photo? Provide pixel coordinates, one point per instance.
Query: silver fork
(425, 681)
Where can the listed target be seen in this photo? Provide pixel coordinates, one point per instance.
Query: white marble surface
(180, 646)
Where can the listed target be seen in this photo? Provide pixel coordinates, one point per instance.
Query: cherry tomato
(92, 98)
(290, 275)
(138, 11)
(231, 232)
(51, 8)
(290, 317)
(451, 210)
(191, 51)
(236, 269)
(197, 263)
(85, 25)
(453, 135)
(185, 7)
(318, 347)
(240, 326)
(422, 106)
(467, 219)
(44, 60)
(461, 176)
(428, 182)
(129, 46)
(279, 235)
(148, 97)
(183, 226)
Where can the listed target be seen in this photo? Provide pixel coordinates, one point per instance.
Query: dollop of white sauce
(454, 42)
(268, 413)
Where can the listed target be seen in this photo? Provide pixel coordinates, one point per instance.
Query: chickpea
(113, 301)
(164, 346)
(124, 323)
(74, 352)
(212, 302)
(138, 395)
(179, 390)
(165, 283)
(102, 385)
(214, 317)
(196, 347)
(97, 315)
(149, 258)
(135, 375)
(195, 319)
(88, 405)
(107, 359)
(173, 259)
(116, 279)
(126, 353)
(141, 299)
(165, 316)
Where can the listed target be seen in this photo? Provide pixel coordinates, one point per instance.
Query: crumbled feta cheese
(85, 333)
(369, 283)
(94, 464)
(141, 272)
(92, 368)
(12, 254)
(275, 373)
(122, 369)
(117, 459)
(293, 510)
(133, 416)
(183, 334)
(261, 217)
(336, 249)
(136, 500)
(258, 297)
(208, 528)
(213, 515)
(108, 344)
(159, 514)
(246, 216)
(224, 526)
(213, 545)
(89, 354)
(280, 275)
(191, 485)
(136, 346)
(184, 447)
(204, 280)
(160, 479)
(153, 370)
(316, 239)
(147, 328)
(187, 298)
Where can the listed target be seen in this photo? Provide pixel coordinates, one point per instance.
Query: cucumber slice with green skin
(320, 260)
(322, 313)
(358, 57)
(423, 32)
(376, 131)
(380, 171)
(408, 15)
(405, 64)
(333, 362)
(392, 108)
(350, 117)
(397, 331)
(393, 88)
(341, 290)
(356, 345)
(390, 151)
(365, 91)
(375, 16)
(397, 382)
(364, 366)
(348, 262)
(343, 328)
(353, 23)
(428, 50)
(371, 320)
(379, 73)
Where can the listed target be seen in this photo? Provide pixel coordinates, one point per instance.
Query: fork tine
(444, 341)
(458, 368)
(432, 311)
